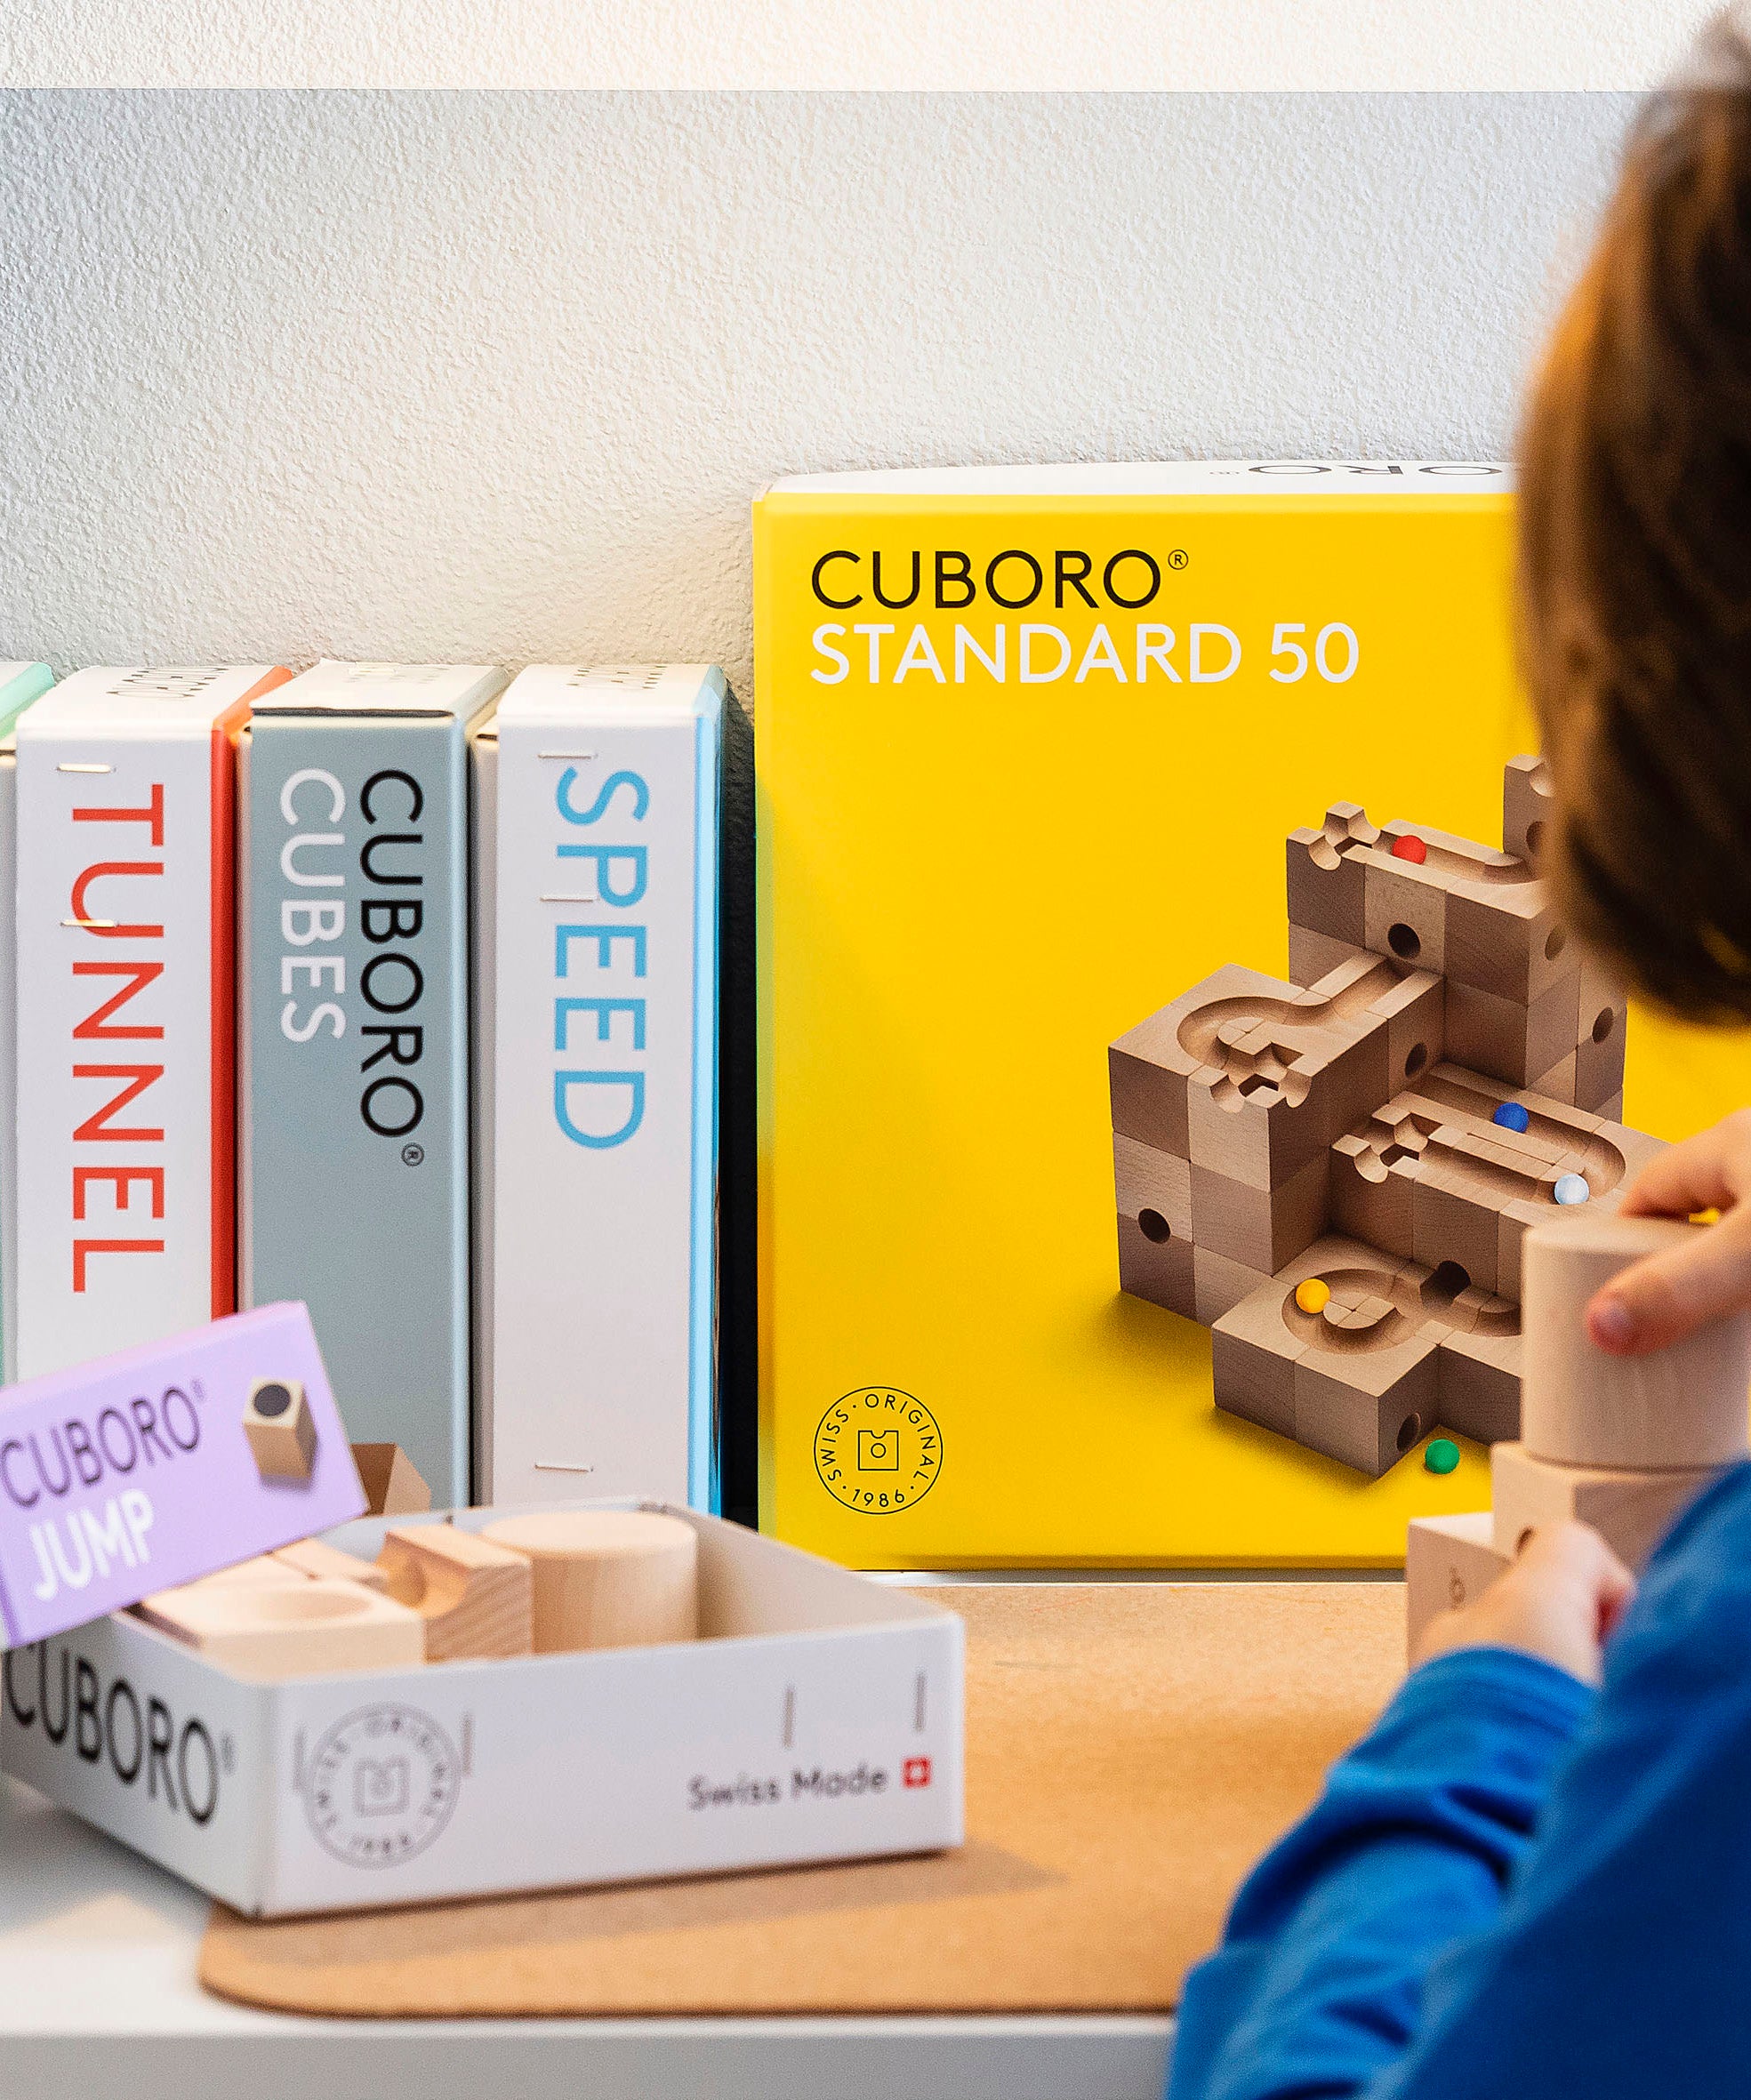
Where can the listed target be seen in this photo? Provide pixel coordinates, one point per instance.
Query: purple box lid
(144, 1470)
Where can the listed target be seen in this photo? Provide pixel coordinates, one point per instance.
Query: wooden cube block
(1260, 1228)
(298, 1628)
(1505, 938)
(1479, 1382)
(1558, 1084)
(477, 1598)
(392, 1483)
(1149, 1183)
(1253, 1355)
(607, 1578)
(1507, 1040)
(1367, 1409)
(1631, 1510)
(1517, 1219)
(1449, 1561)
(1312, 954)
(1599, 1056)
(1217, 1284)
(281, 1429)
(1454, 1219)
(1159, 1269)
(316, 1562)
(1414, 1012)
(267, 1568)
(1404, 911)
(1527, 803)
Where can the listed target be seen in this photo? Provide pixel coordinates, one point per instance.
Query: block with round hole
(281, 1429)
(1366, 1408)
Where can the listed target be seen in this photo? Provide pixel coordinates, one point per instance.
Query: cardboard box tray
(818, 1717)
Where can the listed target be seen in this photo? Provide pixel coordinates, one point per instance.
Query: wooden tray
(1132, 1748)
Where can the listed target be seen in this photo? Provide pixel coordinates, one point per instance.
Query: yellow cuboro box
(1030, 745)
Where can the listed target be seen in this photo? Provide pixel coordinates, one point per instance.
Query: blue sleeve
(1319, 1983)
(1374, 1952)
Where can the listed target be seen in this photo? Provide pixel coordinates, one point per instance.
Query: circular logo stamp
(380, 1785)
(877, 1450)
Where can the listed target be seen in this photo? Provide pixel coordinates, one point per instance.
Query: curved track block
(607, 1578)
(476, 1598)
(296, 1629)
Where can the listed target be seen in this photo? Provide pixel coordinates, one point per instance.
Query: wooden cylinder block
(1682, 1408)
(607, 1578)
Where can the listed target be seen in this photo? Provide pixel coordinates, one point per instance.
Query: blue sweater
(1515, 1886)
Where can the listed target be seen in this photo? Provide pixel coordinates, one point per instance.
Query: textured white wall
(493, 376)
(847, 44)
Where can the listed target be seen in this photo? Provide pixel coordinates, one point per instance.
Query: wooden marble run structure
(1334, 1175)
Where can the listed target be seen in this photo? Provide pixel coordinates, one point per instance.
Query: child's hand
(1559, 1601)
(1669, 1295)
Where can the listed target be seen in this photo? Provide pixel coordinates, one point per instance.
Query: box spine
(483, 892)
(356, 1044)
(602, 1006)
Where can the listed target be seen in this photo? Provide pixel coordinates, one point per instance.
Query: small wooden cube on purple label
(141, 1472)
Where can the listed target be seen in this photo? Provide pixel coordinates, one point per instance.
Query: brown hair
(1636, 557)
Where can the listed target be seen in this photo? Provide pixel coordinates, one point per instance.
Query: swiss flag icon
(917, 1772)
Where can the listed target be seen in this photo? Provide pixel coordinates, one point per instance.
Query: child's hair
(1635, 555)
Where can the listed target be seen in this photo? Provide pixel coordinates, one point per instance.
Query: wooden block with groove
(476, 1597)
(1686, 1407)
(1368, 1409)
(1324, 878)
(265, 1568)
(1528, 801)
(1148, 1067)
(1632, 1511)
(392, 1484)
(1370, 1198)
(607, 1578)
(1449, 1561)
(295, 1629)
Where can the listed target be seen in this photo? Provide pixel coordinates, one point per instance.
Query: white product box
(19, 685)
(818, 1717)
(597, 795)
(126, 1034)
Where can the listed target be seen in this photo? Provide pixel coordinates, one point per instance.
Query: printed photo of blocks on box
(1334, 1175)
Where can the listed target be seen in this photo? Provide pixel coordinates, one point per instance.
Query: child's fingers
(1577, 1555)
(1710, 1171)
(1668, 1296)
